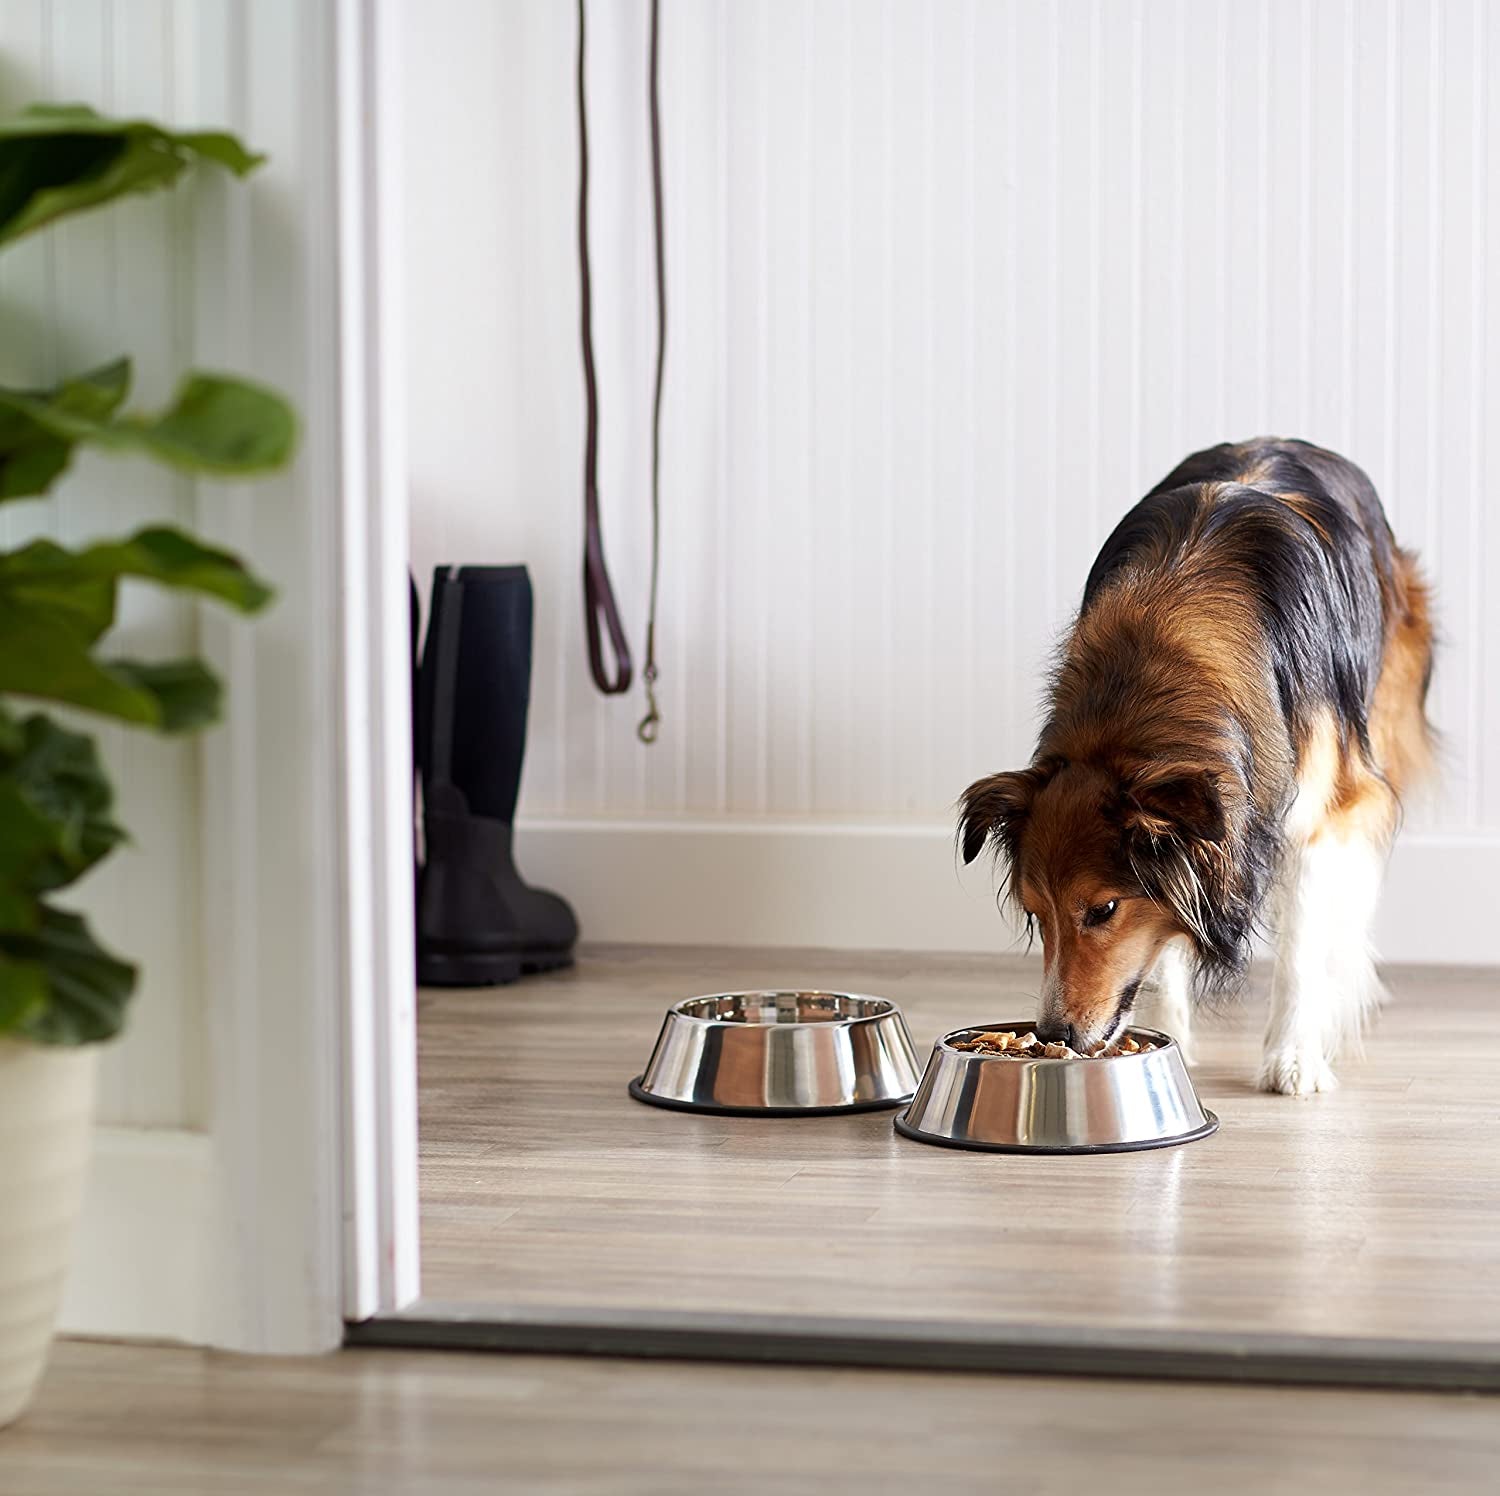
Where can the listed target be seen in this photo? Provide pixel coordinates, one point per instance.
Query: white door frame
(382, 1268)
(307, 850)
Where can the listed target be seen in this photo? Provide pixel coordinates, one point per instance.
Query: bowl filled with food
(780, 1054)
(1002, 1088)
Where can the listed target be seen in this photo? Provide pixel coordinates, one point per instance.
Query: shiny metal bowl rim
(881, 1007)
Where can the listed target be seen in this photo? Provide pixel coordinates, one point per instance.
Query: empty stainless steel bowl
(1116, 1105)
(780, 1054)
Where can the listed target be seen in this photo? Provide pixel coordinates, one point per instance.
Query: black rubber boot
(478, 924)
(416, 731)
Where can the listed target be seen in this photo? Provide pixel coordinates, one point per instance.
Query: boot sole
(485, 968)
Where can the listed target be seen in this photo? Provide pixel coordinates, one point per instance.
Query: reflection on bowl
(780, 1053)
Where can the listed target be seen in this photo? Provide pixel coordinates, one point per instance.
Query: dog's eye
(1100, 913)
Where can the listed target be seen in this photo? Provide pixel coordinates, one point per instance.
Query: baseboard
(847, 886)
(1437, 906)
(141, 1255)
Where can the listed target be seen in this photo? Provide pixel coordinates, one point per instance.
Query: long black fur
(1317, 574)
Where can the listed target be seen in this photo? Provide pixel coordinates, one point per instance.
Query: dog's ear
(995, 809)
(1177, 843)
(1174, 807)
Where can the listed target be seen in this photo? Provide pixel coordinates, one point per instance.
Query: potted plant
(61, 993)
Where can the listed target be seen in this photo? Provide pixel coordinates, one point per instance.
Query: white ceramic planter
(46, 1108)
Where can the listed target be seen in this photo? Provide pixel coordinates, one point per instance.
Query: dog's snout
(1058, 1033)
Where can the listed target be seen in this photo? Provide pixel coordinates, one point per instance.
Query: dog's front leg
(1302, 1032)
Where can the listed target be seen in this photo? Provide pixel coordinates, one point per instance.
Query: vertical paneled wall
(950, 284)
(73, 297)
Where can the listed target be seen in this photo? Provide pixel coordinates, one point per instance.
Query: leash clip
(649, 727)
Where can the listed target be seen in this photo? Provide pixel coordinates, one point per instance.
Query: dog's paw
(1296, 1072)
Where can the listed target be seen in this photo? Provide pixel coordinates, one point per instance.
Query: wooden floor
(169, 1422)
(1372, 1212)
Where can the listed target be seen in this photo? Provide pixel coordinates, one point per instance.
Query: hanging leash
(598, 595)
(649, 725)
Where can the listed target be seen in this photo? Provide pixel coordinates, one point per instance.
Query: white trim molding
(854, 886)
(382, 1237)
(143, 1259)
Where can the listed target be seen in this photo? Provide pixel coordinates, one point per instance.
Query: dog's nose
(1058, 1033)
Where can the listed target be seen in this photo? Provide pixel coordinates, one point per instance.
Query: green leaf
(218, 425)
(44, 578)
(57, 986)
(23, 991)
(57, 159)
(28, 841)
(81, 585)
(56, 603)
(55, 821)
(46, 658)
(86, 988)
(187, 693)
(215, 424)
(97, 394)
(31, 457)
(222, 147)
(173, 559)
(31, 453)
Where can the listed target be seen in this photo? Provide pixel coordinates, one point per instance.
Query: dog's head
(1108, 866)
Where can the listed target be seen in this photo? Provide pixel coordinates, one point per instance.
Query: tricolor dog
(1232, 724)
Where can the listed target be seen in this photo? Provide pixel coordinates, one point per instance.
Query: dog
(1231, 726)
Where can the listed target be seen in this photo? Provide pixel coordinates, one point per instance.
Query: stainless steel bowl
(968, 1100)
(780, 1054)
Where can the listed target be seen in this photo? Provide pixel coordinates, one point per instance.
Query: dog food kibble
(1027, 1046)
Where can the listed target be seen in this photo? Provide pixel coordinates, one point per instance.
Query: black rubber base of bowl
(907, 1131)
(706, 1109)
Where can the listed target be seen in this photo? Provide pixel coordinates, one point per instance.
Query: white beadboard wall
(950, 285)
(71, 298)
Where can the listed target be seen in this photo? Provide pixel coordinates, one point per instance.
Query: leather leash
(649, 725)
(598, 594)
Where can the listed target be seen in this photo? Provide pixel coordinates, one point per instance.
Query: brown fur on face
(1078, 831)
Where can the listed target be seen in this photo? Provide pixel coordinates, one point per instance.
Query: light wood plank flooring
(1373, 1211)
(170, 1422)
